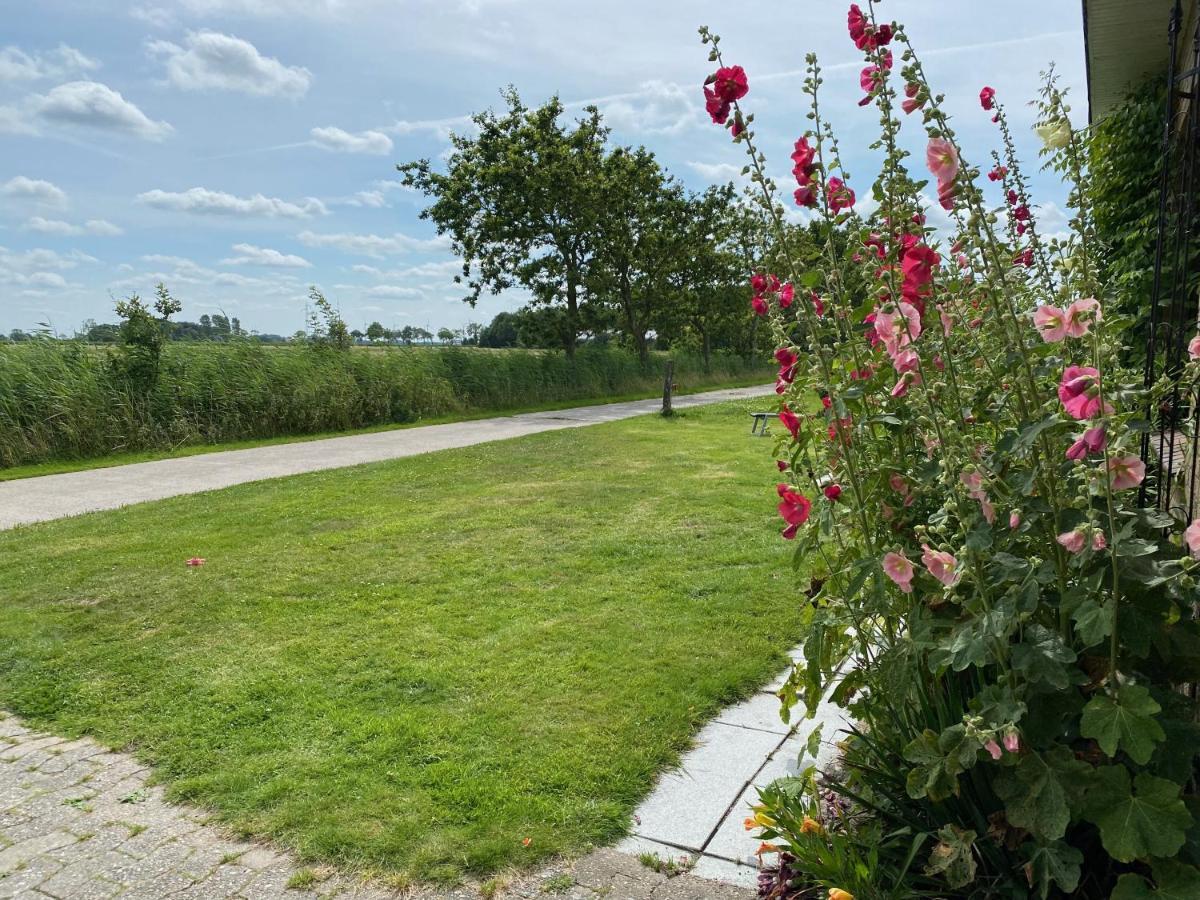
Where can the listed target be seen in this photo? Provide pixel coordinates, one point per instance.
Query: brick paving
(78, 822)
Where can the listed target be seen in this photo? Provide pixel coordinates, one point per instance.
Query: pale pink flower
(1012, 740)
(1014, 519)
(1073, 541)
(993, 748)
(1080, 315)
(989, 511)
(942, 159)
(897, 483)
(1051, 323)
(948, 321)
(1194, 347)
(900, 569)
(1126, 472)
(906, 361)
(898, 326)
(1191, 537)
(907, 380)
(941, 565)
(1098, 541)
(973, 482)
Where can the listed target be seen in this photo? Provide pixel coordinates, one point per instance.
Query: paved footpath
(41, 499)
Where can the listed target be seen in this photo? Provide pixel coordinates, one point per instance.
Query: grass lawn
(412, 666)
(58, 466)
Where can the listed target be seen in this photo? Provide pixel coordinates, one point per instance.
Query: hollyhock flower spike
(840, 195)
(786, 293)
(900, 569)
(1051, 323)
(942, 566)
(759, 305)
(729, 83)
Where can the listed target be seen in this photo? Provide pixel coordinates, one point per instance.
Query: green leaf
(953, 857)
(1137, 547)
(1040, 791)
(1030, 433)
(1174, 880)
(1043, 656)
(938, 759)
(1093, 621)
(1126, 721)
(1056, 863)
(1149, 820)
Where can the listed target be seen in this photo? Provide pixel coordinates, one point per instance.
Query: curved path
(29, 500)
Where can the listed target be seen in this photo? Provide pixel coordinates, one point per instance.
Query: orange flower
(764, 847)
(525, 842)
(839, 894)
(811, 826)
(750, 823)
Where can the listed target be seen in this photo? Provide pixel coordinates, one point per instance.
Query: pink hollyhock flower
(826, 402)
(947, 320)
(196, 561)
(947, 191)
(840, 195)
(998, 173)
(786, 293)
(794, 507)
(782, 464)
(913, 99)
(973, 481)
(729, 83)
(1012, 740)
(839, 430)
(1194, 347)
(1191, 537)
(805, 195)
(988, 511)
(1013, 197)
(1080, 315)
(833, 492)
(1014, 519)
(1079, 391)
(941, 565)
(716, 108)
(1024, 258)
(1073, 541)
(817, 303)
(803, 155)
(1092, 441)
(897, 483)
(759, 305)
(898, 325)
(907, 380)
(919, 262)
(1126, 472)
(790, 421)
(1021, 213)
(1098, 541)
(1051, 323)
(993, 749)
(942, 159)
(900, 569)
(987, 98)
(906, 361)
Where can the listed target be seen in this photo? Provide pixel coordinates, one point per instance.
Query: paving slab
(29, 500)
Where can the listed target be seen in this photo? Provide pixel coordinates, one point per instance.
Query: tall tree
(520, 202)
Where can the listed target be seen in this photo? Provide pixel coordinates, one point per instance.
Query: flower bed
(1013, 629)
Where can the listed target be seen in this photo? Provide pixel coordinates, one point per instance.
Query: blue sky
(240, 150)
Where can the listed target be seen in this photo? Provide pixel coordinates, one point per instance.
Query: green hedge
(65, 400)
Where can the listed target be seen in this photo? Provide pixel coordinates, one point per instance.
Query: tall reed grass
(64, 400)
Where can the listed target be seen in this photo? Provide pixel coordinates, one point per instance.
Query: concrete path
(79, 822)
(30, 500)
(698, 811)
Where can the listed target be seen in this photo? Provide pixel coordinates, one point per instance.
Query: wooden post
(668, 383)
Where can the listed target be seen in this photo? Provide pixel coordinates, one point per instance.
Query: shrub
(1008, 628)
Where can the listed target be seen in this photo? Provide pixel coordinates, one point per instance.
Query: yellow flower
(839, 894)
(811, 826)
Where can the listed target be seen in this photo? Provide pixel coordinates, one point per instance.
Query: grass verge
(443, 665)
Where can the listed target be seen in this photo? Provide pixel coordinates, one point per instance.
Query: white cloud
(203, 201)
(90, 104)
(442, 128)
(250, 255)
(35, 190)
(656, 107)
(39, 268)
(373, 245)
(717, 172)
(154, 16)
(17, 65)
(394, 291)
(96, 227)
(212, 60)
(373, 142)
(13, 121)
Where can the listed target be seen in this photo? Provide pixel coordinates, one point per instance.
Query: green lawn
(58, 466)
(413, 666)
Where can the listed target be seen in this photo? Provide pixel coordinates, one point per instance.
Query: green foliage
(1126, 720)
(64, 400)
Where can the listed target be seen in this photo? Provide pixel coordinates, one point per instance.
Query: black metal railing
(1169, 447)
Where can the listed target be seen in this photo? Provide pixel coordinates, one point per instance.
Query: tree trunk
(706, 349)
(668, 387)
(572, 315)
(631, 325)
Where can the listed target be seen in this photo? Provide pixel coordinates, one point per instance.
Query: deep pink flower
(1079, 391)
(817, 303)
(900, 569)
(794, 507)
(998, 173)
(759, 305)
(786, 293)
(840, 195)
(806, 195)
(941, 565)
(919, 262)
(947, 191)
(1126, 472)
(196, 561)
(1051, 323)
(729, 83)
(987, 98)
(833, 492)
(803, 155)
(1080, 315)
(716, 108)
(1194, 347)
(1024, 258)
(790, 421)
(914, 100)
(942, 159)
(947, 320)
(782, 464)
(1092, 441)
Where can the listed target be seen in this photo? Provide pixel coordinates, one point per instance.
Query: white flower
(1055, 135)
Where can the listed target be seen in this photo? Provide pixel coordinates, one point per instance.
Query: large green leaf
(1040, 791)
(1126, 721)
(1048, 864)
(1173, 880)
(1147, 820)
(938, 760)
(1043, 656)
(953, 857)
(1093, 621)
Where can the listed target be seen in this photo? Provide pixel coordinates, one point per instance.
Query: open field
(61, 401)
(416, 666)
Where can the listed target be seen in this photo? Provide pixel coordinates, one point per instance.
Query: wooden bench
(760, 419)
